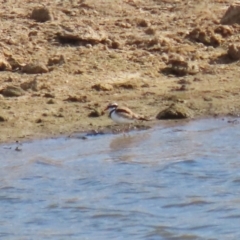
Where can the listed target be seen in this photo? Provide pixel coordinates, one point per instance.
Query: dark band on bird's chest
(118, 110)
(110, 114)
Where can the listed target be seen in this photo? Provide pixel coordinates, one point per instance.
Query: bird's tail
(143, 118)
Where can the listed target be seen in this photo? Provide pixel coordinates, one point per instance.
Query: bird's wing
(126, 112)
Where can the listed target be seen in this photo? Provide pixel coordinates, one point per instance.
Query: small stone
(12, 91)
(123, 24)
(197, 79)
(41, 14)
(183, 81)
(175, 111)
(30, 85)
(88, 45)
(78, 71)
(50, 101)
(116, 44)
(150, 31)
(95, 113)
(81, 99)
(59, 115)
(143, 23)
(18, 149)
(14, 62)
(181, 67)
(205, 36)
(165, 57)
(49, 95)
(183, 87)
(4, 65)
(225, 31)
(234, 51)
(58, 59)
(126, 85)
(108, 42)
(35, 68)
(86, 36)
(145, 85)
(39, 120)
(2, 119)
(207, 99)
(102, 87)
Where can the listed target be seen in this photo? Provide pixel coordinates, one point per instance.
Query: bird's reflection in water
(125, 147)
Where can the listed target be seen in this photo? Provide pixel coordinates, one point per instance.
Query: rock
(175, 111)
(150, 31)
(4, 65)
(58, 115)
(232, 15)
(95, 113)
(50, 101)
(207, 99)
(178, 66)
(2, 119)
(57, 59)
(12, 91)
(85, 5)
(225, 31)
(35, 68)
(205, 36)
(123, 24)
(143, 23)
(41, 14)
(183, 87)
(81, 99)
(183, 81)
(102, 87)
(49, 95)
(126, 85)
(33, 85)
(78, 71)
(234, 51)
(15, 63)
(39, 120)
(84, 36)
(116, 44)
(145, 85)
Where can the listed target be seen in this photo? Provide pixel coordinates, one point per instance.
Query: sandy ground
(89, 53)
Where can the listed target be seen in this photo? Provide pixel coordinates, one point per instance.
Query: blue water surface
(179, 182)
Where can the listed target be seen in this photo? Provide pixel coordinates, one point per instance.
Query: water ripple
(178, 182)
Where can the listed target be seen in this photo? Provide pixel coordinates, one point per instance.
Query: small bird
(122, 114)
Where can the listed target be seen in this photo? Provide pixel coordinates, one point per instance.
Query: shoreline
(113, 129)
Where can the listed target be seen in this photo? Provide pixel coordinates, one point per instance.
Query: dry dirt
(58, 72)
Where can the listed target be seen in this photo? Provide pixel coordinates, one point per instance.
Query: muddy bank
(62, 62)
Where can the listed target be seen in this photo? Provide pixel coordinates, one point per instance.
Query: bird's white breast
(120, 119)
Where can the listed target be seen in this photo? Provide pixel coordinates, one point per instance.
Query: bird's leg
(126, 130)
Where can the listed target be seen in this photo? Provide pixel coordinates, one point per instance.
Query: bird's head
(110, 107)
